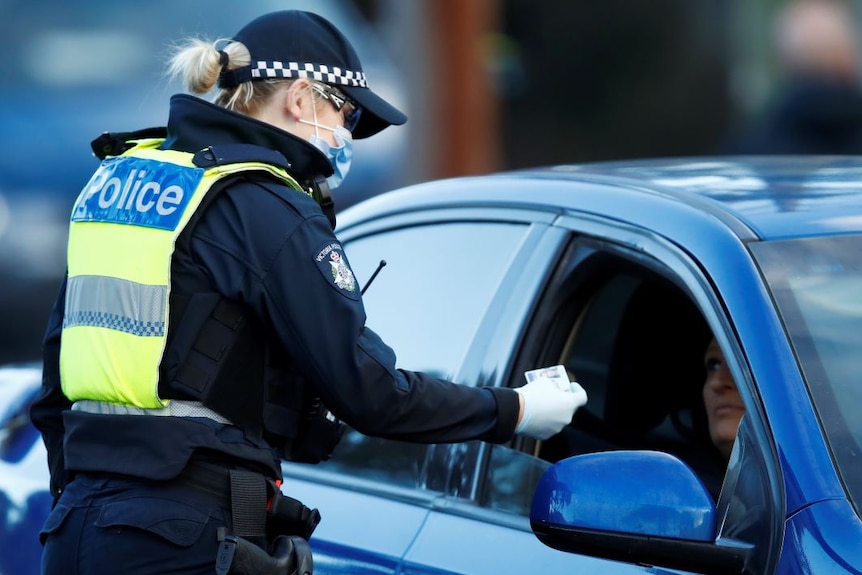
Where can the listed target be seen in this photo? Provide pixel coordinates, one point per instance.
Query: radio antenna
(374, 275)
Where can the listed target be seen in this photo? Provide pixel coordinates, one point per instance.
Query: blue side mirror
(641, 507)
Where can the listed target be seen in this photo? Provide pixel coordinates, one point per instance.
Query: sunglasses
(349, 108)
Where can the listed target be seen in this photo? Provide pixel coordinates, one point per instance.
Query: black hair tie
(223, 59)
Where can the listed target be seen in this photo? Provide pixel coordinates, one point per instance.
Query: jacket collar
(194, 124)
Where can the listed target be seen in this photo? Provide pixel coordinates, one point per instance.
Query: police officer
(210, 325)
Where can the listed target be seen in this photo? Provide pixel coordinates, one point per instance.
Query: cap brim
(377, 113)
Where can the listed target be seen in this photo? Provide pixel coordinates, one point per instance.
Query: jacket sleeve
(322, 324)
(296, 277)
(46, 412)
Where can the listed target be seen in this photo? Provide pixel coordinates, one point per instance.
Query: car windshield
(817, 283)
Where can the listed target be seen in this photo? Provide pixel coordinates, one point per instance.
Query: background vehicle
(74, 71)
(620, 271)
(24, 499)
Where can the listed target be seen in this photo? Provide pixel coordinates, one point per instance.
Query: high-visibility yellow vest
(122, 233)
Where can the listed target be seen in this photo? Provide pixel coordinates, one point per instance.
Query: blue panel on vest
(137, 192)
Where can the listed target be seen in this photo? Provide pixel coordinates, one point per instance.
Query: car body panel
(792, 196)
(775, 196)
(474, 546)
(824, 538)
(357, 533)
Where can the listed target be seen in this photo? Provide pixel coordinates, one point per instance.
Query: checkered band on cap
(320, 72)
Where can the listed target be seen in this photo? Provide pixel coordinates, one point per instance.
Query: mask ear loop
(314, 110)
(319, 187)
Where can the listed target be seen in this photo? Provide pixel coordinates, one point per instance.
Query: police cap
(298, 44)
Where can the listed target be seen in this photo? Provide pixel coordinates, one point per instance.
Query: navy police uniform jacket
(260, 243)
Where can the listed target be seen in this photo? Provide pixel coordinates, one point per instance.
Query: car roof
(759, 197)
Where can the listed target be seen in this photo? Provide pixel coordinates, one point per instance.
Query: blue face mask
(339, 155)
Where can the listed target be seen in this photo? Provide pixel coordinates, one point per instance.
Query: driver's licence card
(556, 373)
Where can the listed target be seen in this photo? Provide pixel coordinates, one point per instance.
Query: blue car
(622, 272)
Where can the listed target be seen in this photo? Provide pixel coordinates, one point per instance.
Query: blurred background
(487, 84)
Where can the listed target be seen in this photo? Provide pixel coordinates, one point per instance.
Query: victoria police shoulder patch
(333, 265)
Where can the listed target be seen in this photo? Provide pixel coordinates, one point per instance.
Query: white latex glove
(547, 408)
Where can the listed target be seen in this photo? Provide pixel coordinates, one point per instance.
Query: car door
(489, 532)
(630, 317)
(481, 522)
(459, 535)
(480, 296)
(431, 302)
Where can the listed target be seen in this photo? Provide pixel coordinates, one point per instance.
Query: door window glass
(438, 280)
(511, 480)
(638, 351)
(425, 303)
(636, 343)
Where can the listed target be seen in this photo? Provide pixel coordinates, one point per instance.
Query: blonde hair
(198, 63)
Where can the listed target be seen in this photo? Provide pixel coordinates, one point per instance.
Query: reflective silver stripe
(122, 305)
(174, 408)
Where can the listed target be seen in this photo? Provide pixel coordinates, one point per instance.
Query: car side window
(511, 479)
(638, 350)
(636, 342)
(425, 303)
(438, 280)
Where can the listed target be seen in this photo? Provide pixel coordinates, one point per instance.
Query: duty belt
(269, 530)
(258, 507)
